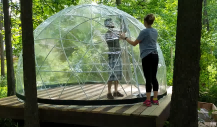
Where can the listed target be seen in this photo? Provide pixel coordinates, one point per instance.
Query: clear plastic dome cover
(72, 56)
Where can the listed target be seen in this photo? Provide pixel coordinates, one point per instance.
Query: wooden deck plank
(98, 109)
(79, 96)
(54, 94)
(57, 92)
(19, 104)
(95, 96)
(139, 110)
(123, 109)
(132, 109)
(14, 100)
(11, 100)
(162, 106)
(66, 90)
(79, 91)
(82, 109)
(50, 91)
(113, 110)
(116, 109)
(104, 94)
(42, 91)
(85, 108)
(104, 109)
(90, 109)
(107, 108)
(6, 98)
(70, 107)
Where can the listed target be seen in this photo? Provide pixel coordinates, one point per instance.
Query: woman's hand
(122, 35)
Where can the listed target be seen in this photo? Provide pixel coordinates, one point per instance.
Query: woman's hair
(149, 19)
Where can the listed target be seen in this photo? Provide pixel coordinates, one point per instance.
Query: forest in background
(166, 20)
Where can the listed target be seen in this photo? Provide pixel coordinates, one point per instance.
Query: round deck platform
(90, 94)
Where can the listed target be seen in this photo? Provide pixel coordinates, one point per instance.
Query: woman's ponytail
(149, 19)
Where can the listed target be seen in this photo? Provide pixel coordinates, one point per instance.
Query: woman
(147, 40)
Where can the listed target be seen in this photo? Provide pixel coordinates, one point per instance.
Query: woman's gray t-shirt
(148, 44)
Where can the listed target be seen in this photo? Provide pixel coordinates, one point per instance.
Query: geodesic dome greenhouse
(72, 64)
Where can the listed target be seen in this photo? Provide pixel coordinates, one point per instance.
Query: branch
(48, 6)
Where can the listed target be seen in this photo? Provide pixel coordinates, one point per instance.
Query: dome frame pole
(124, 21)
(69, 63)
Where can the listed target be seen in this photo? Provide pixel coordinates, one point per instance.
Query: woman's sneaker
(155, 102)
(147, 103)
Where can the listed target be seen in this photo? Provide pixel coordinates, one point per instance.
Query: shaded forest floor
(20, 123)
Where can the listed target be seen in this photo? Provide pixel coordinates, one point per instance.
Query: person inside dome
(114, 58)
(147, 41)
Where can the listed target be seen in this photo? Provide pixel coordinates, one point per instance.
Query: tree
(186, 66)
(118, 2)
(2, 44)
(205, 19)
(31, 107)
(9, 56)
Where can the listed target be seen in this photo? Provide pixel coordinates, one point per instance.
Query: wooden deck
(135, 115)
(88, 92)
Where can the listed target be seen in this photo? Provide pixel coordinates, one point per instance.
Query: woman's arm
(134, 43)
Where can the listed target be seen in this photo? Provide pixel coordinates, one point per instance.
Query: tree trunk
(2, 44)
(118, 2)
(205, 15)
(9, 56)
(31, 106)
(183, 112)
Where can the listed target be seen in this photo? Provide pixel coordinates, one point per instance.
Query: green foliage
(3, 81)
(3, 92)
(3, 87)
(208, 65)
(167, 124)
(208, 94)
(8, 123)
(208, 72)
(169, 78)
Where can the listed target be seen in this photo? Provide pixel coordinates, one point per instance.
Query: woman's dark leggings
(150, 65)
